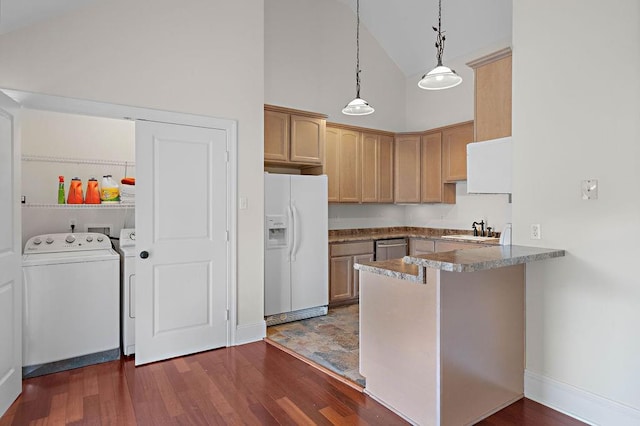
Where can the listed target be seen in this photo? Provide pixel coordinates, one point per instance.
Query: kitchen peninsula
(442, 335)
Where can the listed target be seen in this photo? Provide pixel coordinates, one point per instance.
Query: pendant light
(358, 106)
(440, 77)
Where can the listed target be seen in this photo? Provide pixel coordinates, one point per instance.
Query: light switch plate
(590, 189)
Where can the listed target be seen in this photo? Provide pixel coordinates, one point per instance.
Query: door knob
(144, 254)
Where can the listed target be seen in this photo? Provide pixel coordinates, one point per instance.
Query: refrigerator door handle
(295, 233)
(290, 229)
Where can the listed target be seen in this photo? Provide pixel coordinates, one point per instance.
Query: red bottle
(75, 192)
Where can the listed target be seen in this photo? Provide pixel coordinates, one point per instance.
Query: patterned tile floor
(331, 340)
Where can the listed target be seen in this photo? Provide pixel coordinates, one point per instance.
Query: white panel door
(181, 238)
(10, 256)
(277, 268)
(309, 253)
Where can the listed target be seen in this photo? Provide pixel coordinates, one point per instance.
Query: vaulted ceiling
(402, 27)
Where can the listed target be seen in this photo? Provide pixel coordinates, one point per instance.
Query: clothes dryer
(127, 290)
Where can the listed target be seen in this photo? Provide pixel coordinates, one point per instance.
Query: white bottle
(110, 191)
(505, 236)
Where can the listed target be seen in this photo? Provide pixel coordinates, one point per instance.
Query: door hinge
(227, 315)
(226, 156)
(226, 235)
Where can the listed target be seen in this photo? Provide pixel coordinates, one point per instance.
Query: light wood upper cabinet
(407, 169)
(293, 138)
(369, 167)
(433, 189)
(385, 169)
(359, 165)
(349, 166)
(332, 161)
(454, 151)
(307, 139)
(276, 136)
(493, 95)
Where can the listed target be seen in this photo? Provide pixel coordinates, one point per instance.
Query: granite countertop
(366, 234)
(395, 268)
(411, 268)
(483, 258)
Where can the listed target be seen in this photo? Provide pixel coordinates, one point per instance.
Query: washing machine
(127, 289)
(71, 302)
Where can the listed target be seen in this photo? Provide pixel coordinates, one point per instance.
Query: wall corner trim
(248, 333)
(580, 404)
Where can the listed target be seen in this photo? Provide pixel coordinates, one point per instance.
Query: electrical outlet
(72, 223)
(535, 231)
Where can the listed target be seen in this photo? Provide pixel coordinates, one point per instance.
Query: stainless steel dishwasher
(395, 248)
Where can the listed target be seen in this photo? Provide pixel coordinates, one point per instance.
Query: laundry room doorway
(177, 218)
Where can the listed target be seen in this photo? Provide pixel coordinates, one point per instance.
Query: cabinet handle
(144, 254)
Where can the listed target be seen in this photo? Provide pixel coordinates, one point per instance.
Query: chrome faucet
(475, 230)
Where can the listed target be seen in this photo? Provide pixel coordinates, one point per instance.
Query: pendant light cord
(441, 38)
(357, 48)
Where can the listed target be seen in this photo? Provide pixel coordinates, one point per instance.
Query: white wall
(494, 209)
(575, 120)
(193, 56)
(310, 61)
(346, 216)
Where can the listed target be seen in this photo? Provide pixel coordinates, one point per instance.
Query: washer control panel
(51, 243)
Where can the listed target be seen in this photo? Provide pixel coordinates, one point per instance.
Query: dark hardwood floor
(255, 384)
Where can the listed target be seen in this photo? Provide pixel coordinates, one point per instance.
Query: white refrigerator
(296, 260)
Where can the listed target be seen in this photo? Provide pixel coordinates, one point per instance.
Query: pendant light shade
(358, 106)
(440, 77)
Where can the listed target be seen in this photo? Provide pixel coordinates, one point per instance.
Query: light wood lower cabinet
(418, 246)
(344, 280)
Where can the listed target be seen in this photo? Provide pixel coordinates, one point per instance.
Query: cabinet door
(385, 169)
(307, 139)
(433, 190)
(454, 151)
(431, 170)
(369, 168)
(493, 100)
(356, 274)
(407, 169)
(349, 166)
(419, 246)
(332, 163)
(276, 136)
(341, 278)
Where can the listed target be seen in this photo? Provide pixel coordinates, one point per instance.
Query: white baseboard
(585, 406)
(248, 333)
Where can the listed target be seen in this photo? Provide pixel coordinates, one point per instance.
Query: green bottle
(61, 190)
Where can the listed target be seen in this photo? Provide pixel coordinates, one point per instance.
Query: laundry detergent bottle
(75, 192)
(110, 191)
(93, 194)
